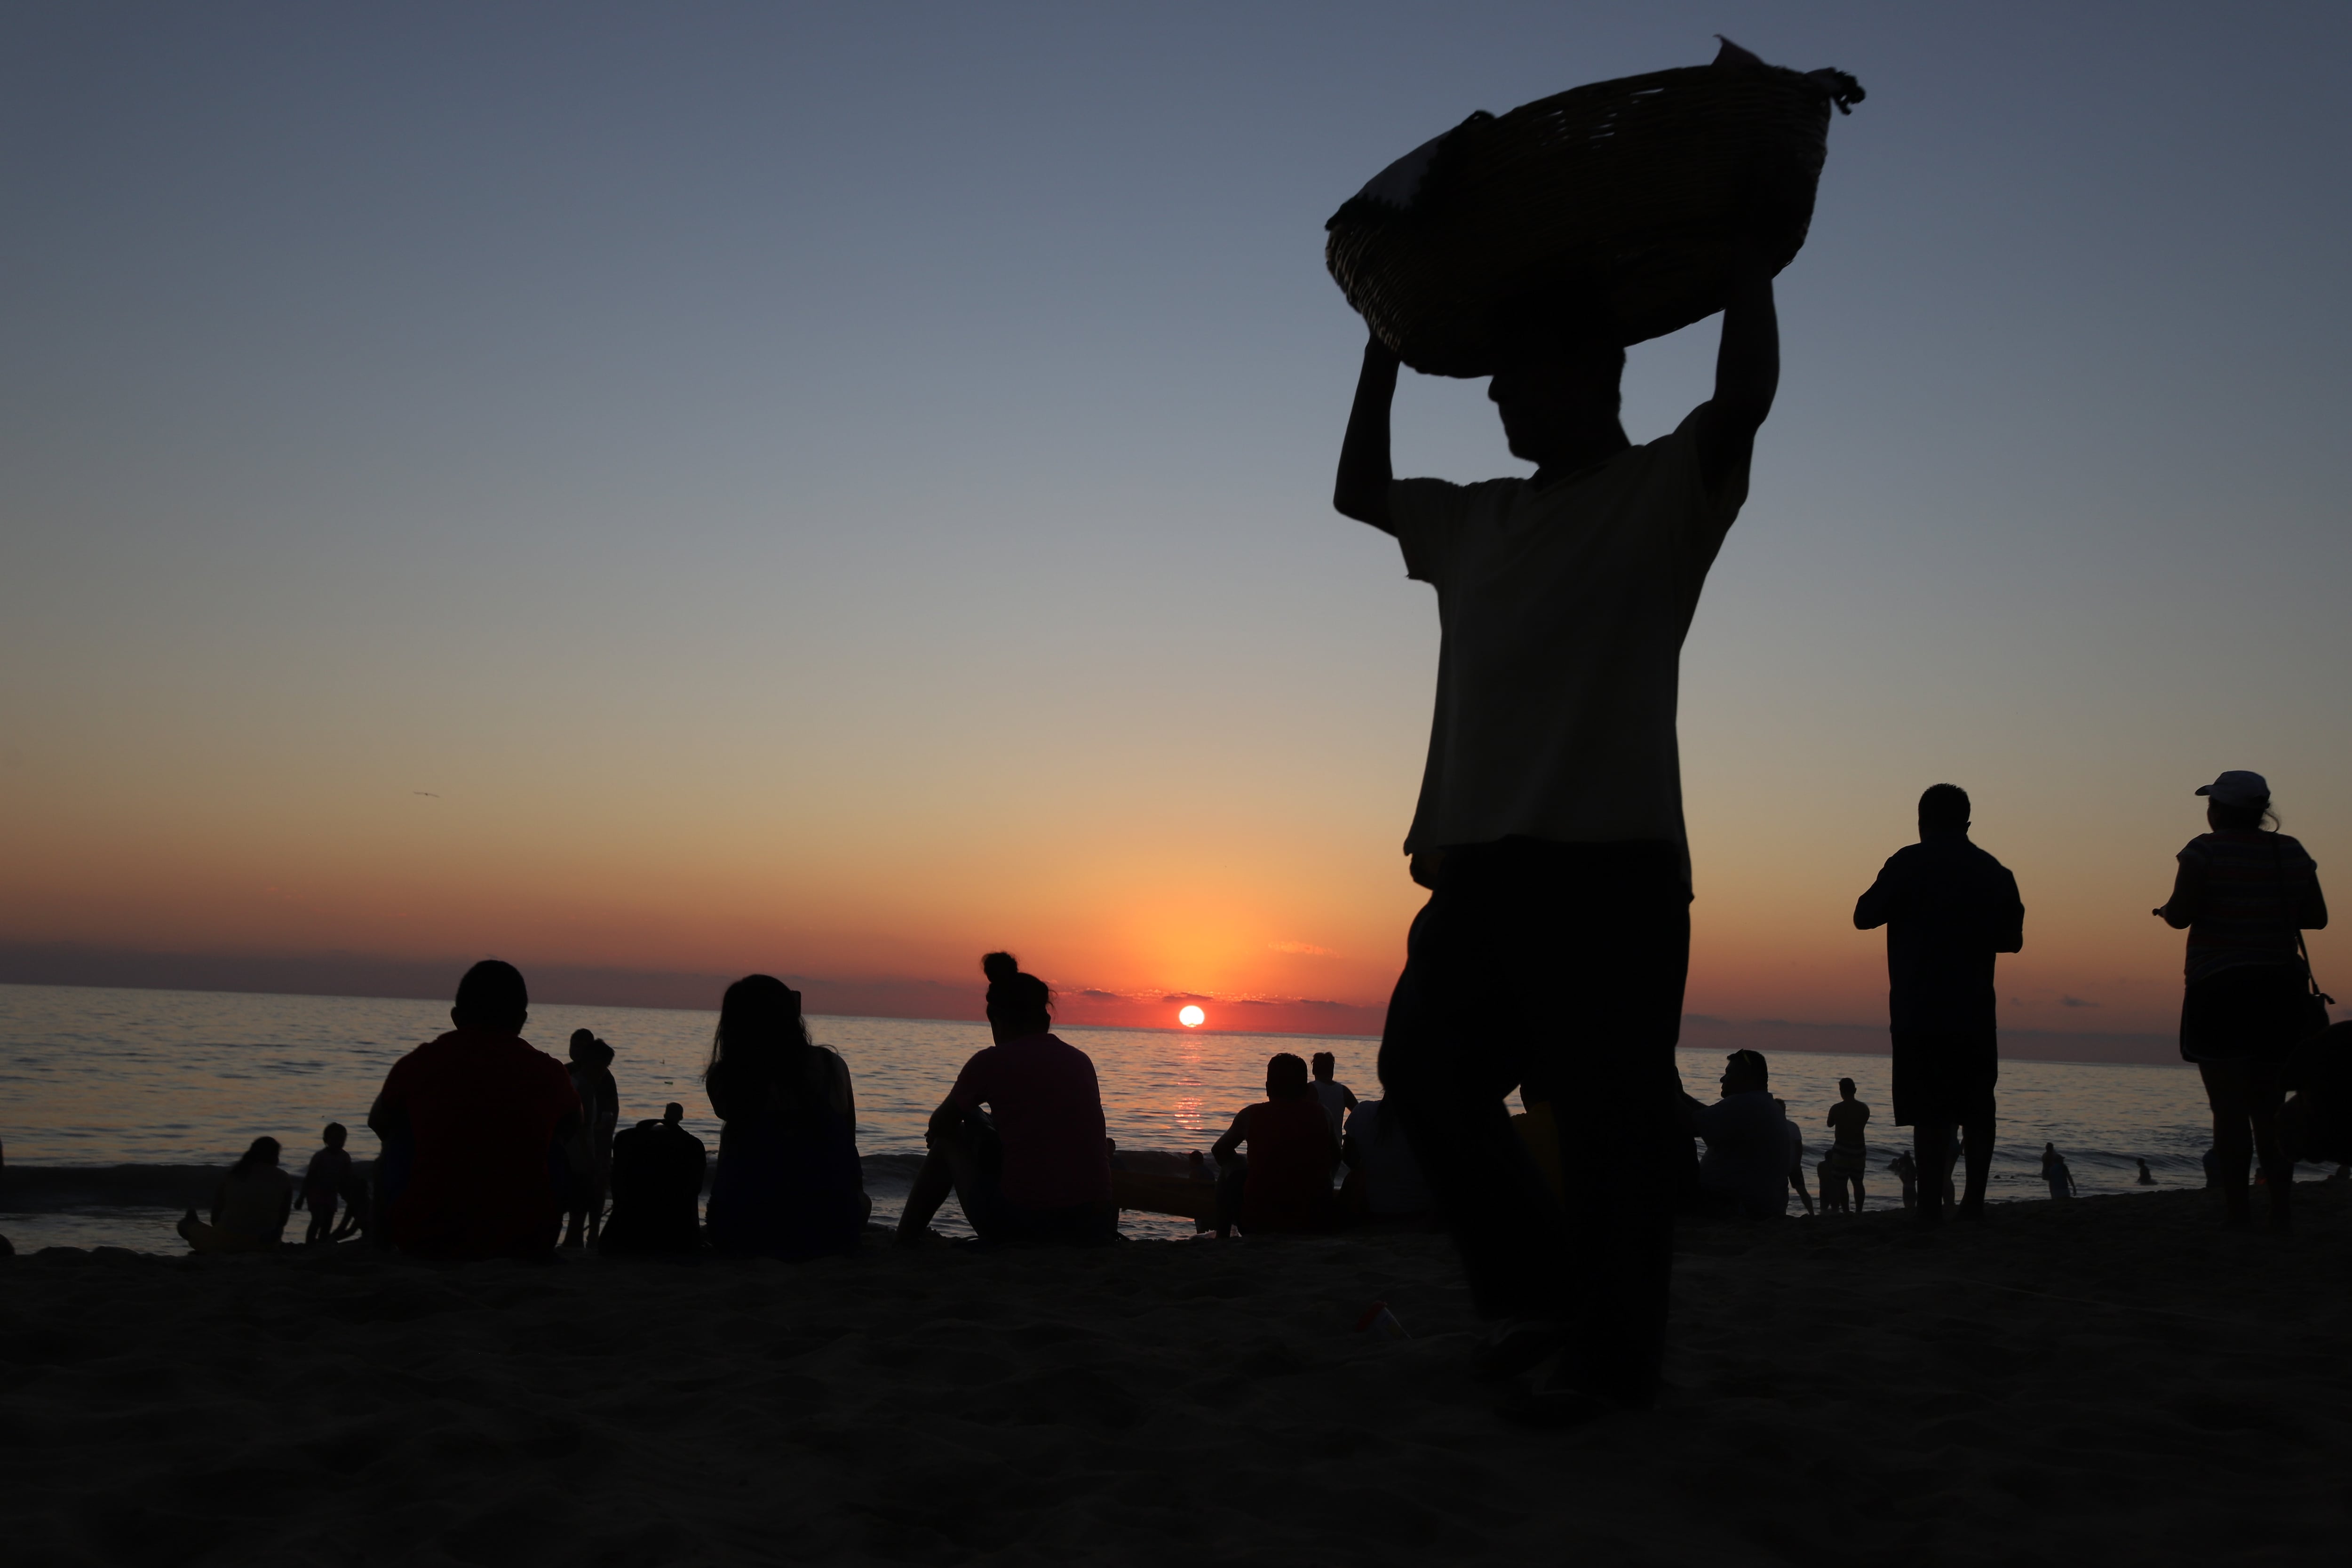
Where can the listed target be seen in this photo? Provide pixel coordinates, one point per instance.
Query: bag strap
(2278, 891)
(2308, 977)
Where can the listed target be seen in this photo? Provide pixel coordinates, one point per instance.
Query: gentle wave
(45, 1189)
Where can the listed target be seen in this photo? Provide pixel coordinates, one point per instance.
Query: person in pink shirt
(1020, 1138)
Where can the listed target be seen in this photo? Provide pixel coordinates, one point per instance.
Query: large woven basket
(1618, 201)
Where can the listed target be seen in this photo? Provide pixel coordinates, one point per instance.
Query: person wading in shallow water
(1948, 909)
(1849, 1156)
(1551, 955)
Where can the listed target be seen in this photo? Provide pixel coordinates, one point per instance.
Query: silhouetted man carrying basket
(1550, 957)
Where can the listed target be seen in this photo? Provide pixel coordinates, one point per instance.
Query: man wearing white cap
(2245, 897)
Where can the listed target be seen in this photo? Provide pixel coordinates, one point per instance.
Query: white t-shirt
(1562, 614)
(1332, 1095)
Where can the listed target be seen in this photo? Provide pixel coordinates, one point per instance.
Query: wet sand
(2107, 1381)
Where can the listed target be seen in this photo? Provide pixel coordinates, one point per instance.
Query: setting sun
(1192, 1018)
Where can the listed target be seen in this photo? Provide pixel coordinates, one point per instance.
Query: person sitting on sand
(787, 1183)
(2054, 1172)
(1948, 909)
(249, 1207)
(1748, 1164)
(1384, 1180)
(657, 1172)
(1284, 1184)
(323, 1181)
(482, 1113)
(2146, 1177)
(1849, 1156)
(1033, 1165)
(1336, 1098)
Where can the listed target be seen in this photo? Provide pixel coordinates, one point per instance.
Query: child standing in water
(600, 1111)
(322, 1183)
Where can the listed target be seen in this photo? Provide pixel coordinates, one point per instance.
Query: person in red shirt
(1034, 1165)
(1286, 1183)
(479, 1117)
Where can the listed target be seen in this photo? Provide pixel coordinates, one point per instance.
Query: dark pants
(1555, 969)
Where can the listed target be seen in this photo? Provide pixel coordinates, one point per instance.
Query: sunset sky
(709, 487)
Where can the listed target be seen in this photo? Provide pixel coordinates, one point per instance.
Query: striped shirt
(2246, 894)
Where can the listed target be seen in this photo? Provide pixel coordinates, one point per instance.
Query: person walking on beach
(1948, 909)
(1551, 955)
(1021, 1138)
(1849, 1158)
(2245, 896)
(2054, 1173)
(1336, 1098)
(1286, 1182)
(787, 1183)
(484, 1116)
(323, 1181)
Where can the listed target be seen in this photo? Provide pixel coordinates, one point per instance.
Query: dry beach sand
(2108, 1381)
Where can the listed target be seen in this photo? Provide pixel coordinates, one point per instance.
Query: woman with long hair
(249, 1207)
(2245, 896)
(788, 1184)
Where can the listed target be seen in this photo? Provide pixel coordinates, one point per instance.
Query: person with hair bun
(788, 1184)
(1033, 1166)
(2245, 897)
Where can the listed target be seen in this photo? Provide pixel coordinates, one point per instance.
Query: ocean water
(93, 1078)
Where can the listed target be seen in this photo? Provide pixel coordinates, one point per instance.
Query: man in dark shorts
(1849, 1156)
(1949, 908)
(1551, 955)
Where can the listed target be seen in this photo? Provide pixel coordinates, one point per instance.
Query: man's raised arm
(1747, 368)
(1363, 490)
